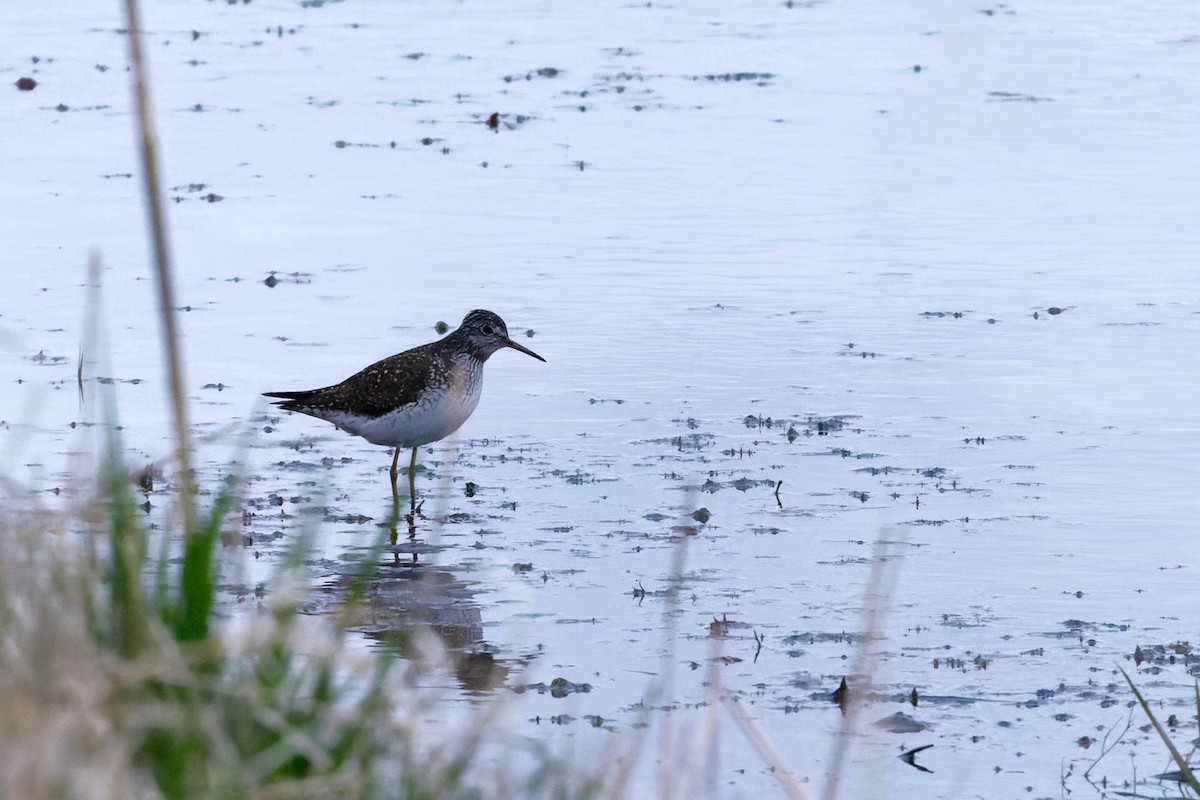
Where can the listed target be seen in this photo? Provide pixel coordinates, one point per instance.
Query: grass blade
(156, 219)
(197, 585)
(1180, 761)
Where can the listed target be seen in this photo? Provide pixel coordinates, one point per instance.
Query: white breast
(439, 413)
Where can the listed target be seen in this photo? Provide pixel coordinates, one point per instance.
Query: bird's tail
(291, 401)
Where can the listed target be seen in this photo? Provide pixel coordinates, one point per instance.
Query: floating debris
(1015, 97)
(900, 723)
(544, 72)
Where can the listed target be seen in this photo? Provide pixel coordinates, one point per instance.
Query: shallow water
(951, 248)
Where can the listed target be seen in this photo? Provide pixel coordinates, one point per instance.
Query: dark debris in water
(349, 519)
(741, 484)
(274, 278)
(63, 108)
(543, 72)
(559, 687)
(510, 122)
(812, 425)
(44, 360)
(296, 465)
(851, 351)
(963, 621)
(691, 442)
(900, 723)
(977, 662)
(1015, 97)
(722, 627)
(342, 144)
(194, 189)
(1167, 655)
(819, 637)
(1078, 626)
(757, 78)
(842, 452)
(922, 472)
(577, 477)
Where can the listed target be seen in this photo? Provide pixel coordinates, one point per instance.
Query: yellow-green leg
(412, 479)
(395, 464)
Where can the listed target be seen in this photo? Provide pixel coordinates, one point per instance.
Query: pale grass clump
(120, 678)
(60, 716)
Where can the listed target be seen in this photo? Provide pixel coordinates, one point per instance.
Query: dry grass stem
(156, 219)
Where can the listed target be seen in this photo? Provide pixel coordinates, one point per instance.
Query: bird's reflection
(404, 604)
(393, 525)
(405, 600)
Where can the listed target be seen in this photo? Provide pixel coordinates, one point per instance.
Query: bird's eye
(487, 330)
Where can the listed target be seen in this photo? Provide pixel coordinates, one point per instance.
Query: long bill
(525, 350)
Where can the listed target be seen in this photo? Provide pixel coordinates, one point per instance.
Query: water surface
(950, 249)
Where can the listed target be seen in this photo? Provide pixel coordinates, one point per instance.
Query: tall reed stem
(156, 220)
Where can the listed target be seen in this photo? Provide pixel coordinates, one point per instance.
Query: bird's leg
(395, 463)
(412, 480)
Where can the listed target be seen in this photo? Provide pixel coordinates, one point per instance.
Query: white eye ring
(487, 330)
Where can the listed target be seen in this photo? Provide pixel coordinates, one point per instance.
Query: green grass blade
(197, 584)
(126, 629)
(1180, 761)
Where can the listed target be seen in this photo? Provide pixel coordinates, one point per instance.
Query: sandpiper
(412, 398)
